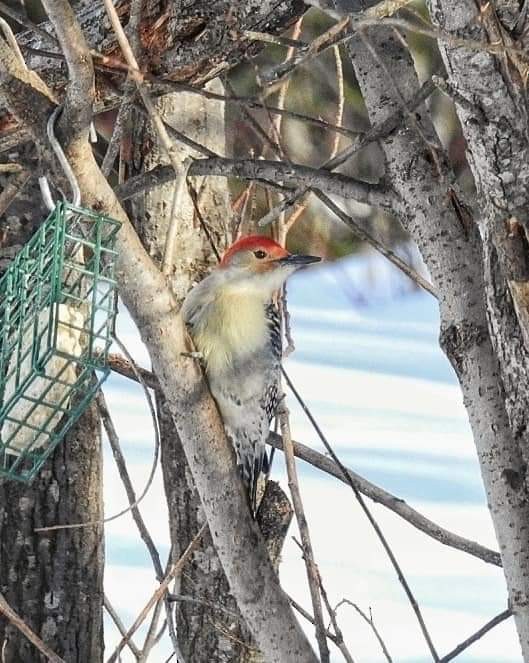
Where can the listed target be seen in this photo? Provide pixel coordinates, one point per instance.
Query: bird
(236, 330)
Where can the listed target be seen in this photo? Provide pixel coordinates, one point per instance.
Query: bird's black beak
(298, 260)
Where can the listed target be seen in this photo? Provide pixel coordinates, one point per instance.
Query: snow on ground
(371, 371)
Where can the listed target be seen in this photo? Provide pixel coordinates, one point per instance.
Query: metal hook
(72, 180)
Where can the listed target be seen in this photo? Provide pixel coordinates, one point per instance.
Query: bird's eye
(260, 254)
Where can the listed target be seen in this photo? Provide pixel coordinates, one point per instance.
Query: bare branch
(21, 625)
(268, 171)
(374, 524)
(120, 626)
(392, 502)
(121, 365)
(174, 572)
(369, 620)
(308, 554)
(477, 635)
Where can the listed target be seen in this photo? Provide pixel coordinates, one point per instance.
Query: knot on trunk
(457, 339)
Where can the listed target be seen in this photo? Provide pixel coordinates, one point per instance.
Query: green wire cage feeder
(57, 313)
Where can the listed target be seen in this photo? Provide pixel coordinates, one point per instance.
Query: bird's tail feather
(252, 469)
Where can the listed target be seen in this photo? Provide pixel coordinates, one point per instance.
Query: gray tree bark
(495, 126)
(471, 270)
(204, 634)
(54, 580)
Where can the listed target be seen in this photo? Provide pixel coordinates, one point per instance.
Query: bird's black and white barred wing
(271, 396)
(253, 457)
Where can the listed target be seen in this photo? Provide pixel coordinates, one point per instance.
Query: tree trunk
(452, 249)
(54, 580)
(204, 634)
(494, 123)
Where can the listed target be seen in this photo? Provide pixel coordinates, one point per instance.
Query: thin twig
(312, 571)
(277, 75)
(150, 638)
(366, 236)
(14, 187)
(370, 517)
(371, 624)
(306, 615)
(21, 625)
(176, 204)
(265, 37)
(175, 571)
(121, 464)
(334, 621)
(341, 99)
(257, 128)
(120, 626)
(377, 132)
(280, 231)
(193, 195)
(477, 635)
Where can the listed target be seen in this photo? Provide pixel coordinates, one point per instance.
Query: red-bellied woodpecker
(235, 327)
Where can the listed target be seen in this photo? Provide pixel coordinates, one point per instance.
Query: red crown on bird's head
(254, 243)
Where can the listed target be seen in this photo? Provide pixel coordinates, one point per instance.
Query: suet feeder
(57, 313)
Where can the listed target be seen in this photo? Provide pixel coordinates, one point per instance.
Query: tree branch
(270, 171)
(21, 625)
(80, 91)
(477, 635)
(392, 502)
